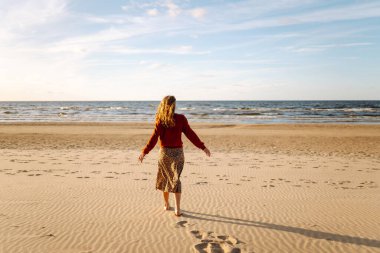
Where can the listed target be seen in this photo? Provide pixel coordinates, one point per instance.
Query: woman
(169, 127)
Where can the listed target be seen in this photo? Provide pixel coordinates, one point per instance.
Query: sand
(266, 188)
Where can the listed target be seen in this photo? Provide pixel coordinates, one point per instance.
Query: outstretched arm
(193, 137)
(151, 143)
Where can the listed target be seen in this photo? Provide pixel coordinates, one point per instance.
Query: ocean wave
(219, 109)
(364, 109)
(260, 116)
(248, 114)
(107, 108)
(235, 109)
(360, 110)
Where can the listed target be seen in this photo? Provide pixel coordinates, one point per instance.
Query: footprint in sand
(245, 179)
(213, 243)
(201, 183)
(367, 184)
(21, 171)
(48, 235)
(182, 224)
(210, 242)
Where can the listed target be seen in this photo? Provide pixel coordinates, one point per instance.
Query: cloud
(152, 12)
(320, 48)
(23, 14)
(23, 19)
(119, 20)
(238, 18)
(107, 35)
(125, 7)
(198, 13)
(250, 15)
(181, 50)
(173, 9)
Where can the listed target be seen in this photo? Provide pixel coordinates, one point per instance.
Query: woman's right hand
(141, 157)
(208, 153)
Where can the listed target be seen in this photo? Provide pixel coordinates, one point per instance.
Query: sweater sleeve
(191, 135)
(153, 139)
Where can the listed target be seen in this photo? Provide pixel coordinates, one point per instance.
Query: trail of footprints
(101, 159)
(347, 184)
(210, 242)
(337, 184)
(76, 173)
(199, 179)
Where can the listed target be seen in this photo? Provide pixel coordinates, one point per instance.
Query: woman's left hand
(141, 157)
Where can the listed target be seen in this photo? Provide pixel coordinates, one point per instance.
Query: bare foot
(167, 207)
(177, 213)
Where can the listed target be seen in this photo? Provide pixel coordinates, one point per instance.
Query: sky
(195, 50)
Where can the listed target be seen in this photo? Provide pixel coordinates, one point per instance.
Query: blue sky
(195, 50)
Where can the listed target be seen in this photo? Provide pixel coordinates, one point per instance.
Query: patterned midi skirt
(170, 166)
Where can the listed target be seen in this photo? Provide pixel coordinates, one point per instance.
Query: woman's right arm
(151, 143)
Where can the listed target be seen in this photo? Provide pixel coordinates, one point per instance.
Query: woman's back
(171, 136)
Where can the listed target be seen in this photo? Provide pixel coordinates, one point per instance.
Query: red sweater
(171, 137)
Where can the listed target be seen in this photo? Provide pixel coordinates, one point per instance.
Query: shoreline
(151, 123)
(190, 121)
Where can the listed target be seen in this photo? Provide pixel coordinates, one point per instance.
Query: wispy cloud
(360, 10)
(181, 50)
(198, 13)
(152, 12)
(154, 8)
(23, 14)
(320, 48)
(173, 9)
(22, 19)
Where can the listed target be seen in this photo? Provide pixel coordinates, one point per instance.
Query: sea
(231, 112)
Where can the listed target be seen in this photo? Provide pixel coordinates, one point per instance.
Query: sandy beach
(78, 187)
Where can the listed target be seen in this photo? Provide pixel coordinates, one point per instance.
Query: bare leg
(166, 199)
(177, 210)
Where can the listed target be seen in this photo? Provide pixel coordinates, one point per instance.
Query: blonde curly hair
(165, 111)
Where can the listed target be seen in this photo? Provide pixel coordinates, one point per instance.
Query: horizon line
(190, 100)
